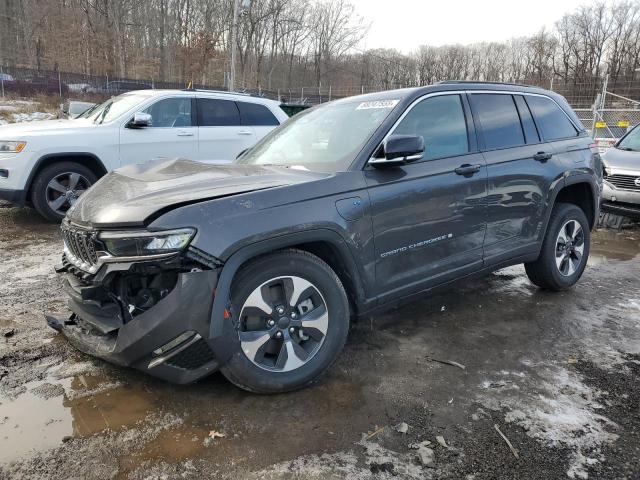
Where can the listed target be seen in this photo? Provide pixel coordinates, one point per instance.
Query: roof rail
(215, 91)
(454, 82)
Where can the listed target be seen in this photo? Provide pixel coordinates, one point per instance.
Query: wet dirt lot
(557, 374)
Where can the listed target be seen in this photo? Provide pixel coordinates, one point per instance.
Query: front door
(172, 134)
(429, 216)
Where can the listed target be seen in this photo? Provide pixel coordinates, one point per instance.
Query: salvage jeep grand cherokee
(255, 268)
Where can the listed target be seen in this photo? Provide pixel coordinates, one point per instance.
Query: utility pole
(237, 5)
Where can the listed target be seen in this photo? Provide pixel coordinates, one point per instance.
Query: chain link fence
(607, 108)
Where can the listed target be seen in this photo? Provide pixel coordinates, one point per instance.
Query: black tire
(545, 272)
(39, 190)
(246, 374)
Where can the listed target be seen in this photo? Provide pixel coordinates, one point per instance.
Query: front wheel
(57, 187)
(565, 249)
(291, 316)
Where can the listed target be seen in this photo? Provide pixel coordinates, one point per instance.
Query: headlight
(136, 244)
(10, 146)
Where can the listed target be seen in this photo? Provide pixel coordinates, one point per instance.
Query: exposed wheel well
(90, 161)
(579, 194)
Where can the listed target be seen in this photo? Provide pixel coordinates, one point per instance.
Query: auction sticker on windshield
(377, 104)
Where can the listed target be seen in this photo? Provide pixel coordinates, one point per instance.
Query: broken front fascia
(132, 307)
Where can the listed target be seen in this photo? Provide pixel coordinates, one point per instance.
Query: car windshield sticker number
(377, 104)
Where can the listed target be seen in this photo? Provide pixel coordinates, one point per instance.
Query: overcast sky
(406, 24)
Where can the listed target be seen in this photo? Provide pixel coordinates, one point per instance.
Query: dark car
(256, 268)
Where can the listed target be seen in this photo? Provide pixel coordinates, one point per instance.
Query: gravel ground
(555, 375)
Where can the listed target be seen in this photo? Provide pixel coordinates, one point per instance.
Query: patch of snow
(558, 409)
(31, 117)
(348, 465)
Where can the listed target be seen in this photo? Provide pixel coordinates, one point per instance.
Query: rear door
(258, 117)
(220, 131)
(172, 134)
(519, 174)
(429, 216)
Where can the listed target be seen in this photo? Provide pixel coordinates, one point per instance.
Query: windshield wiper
(627, 149)
(103, 114)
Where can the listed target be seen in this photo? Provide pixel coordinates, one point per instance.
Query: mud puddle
(58, 408)
(614, 245)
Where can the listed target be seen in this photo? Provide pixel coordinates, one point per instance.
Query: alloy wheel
(283, 324)
(569, 248)
(63, 191)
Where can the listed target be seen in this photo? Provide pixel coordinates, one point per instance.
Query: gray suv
(256, 268)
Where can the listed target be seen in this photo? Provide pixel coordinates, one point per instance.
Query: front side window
(326, 138)
(217, 113)
(499, 118)
(552, 121)
(441, 123)
(631, 142)
(256, 115)
(170, 113)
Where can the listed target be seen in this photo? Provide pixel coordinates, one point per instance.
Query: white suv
(50, 163)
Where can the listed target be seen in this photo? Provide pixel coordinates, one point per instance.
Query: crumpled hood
(128, 196)
(622, 159)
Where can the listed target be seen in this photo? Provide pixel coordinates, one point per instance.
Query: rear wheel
(565, 249)
(291, 315)
(57, 187)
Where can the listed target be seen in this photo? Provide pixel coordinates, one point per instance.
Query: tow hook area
(54, 323)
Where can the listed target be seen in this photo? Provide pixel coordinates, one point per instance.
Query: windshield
(631, 142)
(113, 108)
(324, 139)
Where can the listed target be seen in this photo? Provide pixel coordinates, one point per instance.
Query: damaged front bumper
(151, 314)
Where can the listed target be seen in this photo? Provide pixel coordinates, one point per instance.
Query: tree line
(294, 43)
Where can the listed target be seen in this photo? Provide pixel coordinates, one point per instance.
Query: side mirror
(400, 149)
(140, 120)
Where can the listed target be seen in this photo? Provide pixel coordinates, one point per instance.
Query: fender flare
(573, 180)
(220, 332)
(57, 156)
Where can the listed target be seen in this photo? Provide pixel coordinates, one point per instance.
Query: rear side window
(552, 122)
(217, 113)
(256, 115)
(499, 118)
(441, 122)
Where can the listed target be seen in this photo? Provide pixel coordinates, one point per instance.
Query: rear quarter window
(256, 115)
(552, 122)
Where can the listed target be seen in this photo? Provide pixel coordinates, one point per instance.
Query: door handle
(245, 132)
(185, 134)
(468, 170)
(542, 156)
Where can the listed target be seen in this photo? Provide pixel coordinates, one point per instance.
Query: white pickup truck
(48, 164)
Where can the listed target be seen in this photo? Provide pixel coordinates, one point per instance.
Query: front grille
(192, 357)
(627, 182)
(81, 245)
